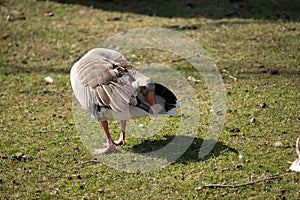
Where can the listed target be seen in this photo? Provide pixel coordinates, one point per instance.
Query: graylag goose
(110, 88)
(296, 164)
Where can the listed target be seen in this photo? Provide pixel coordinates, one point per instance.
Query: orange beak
(151, 98)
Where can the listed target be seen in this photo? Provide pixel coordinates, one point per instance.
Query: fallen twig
(242, 184)
(184, 27)
(234, 78)
(177, 60)
(89, 161)
(228, 75)
(191, 78)
(183, 59)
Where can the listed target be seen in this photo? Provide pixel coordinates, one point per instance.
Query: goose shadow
(191, 153)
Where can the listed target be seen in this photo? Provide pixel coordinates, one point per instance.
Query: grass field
(256, 42)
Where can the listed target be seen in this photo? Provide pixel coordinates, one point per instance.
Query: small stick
(234, 78)
(242, 184)
(177, 60)
(89, 161)
(182, 59)
(191, 78)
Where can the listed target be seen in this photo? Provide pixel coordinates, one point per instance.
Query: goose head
(146, 87)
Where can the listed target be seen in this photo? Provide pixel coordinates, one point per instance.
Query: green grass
(41, 152)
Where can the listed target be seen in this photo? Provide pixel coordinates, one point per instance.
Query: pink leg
(121, 140)
(110, 145)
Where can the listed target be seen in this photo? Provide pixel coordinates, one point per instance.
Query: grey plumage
(108, 86)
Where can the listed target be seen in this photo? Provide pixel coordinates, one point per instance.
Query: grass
(41, 152)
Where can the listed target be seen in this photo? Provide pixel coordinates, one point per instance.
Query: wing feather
(122, 102)
(107, 89)
(93, 71)
(100, 82)
(102, 96)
